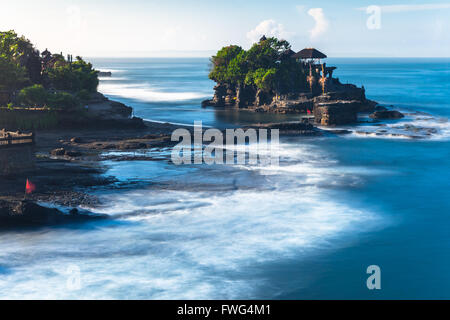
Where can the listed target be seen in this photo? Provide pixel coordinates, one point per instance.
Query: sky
(149, 28)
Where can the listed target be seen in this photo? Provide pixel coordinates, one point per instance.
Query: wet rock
(341, 131)
(76, 140)
(289, 128)
(336, 112)
(208, 103)
(29, 213)
(380, 108)
(105, 74)
(132, 145)
(72, 154)
(58, 152)
(388, 114)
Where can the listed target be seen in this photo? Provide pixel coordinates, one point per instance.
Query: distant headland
(271, 77)
(44, 90)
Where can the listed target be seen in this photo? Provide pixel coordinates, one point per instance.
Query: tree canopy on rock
(24, 71)
(266, 66)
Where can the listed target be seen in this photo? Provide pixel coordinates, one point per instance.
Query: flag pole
(25, 193)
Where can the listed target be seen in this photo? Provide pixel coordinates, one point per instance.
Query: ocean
(306, 229)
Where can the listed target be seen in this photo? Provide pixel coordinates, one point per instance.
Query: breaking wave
(172, 241)
(144, 92)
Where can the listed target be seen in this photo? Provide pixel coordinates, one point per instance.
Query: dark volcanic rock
(380, 108)
(28, 213)
(131, 145)
(341, 131)
(64, 152)
(105, 74)
(291, 128)
(73, 153)
(387, 115)
(351, 99)
(58, 152)
(208, 103)
(336, 112)
(76, 140)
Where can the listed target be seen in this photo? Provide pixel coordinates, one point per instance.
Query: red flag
(30, 187)
(309, 111)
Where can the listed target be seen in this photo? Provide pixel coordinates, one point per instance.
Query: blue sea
(306, 229)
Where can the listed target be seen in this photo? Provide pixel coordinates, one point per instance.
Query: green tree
(237, 68)
(264, 66)
(12, 75)
(20, 51)
(73, 77)
(221, 61)
(34, 96)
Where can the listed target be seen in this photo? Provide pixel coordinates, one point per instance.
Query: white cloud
(412, 7)
(269, 28)
(321, 22)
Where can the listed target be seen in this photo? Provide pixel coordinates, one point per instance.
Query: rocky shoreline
(68, 160)
(339, 105)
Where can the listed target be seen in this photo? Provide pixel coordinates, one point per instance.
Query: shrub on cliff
(38, 96)
(74, 77)
(33, 96)
(263, 67)
(62, 100)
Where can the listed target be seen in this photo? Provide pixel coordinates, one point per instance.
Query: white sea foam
(188, 244)
(181, 253)
(413, 126)
(144, 92)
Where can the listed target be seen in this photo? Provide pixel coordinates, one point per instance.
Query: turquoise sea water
(307, 229)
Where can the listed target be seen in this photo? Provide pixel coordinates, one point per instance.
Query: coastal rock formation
(105, 74)
(28, 213)
(338, 106)
(102, 108)
(293, 127)
(387, 114)
(336, 112)
(101, 112)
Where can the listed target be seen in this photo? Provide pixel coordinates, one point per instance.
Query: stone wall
(16, 159)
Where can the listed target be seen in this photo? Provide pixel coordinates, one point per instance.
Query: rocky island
(270, 77)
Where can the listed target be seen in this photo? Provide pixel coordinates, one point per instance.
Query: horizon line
(329, 57)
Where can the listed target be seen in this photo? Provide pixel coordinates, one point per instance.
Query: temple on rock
(271, 77)
(319, 75)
